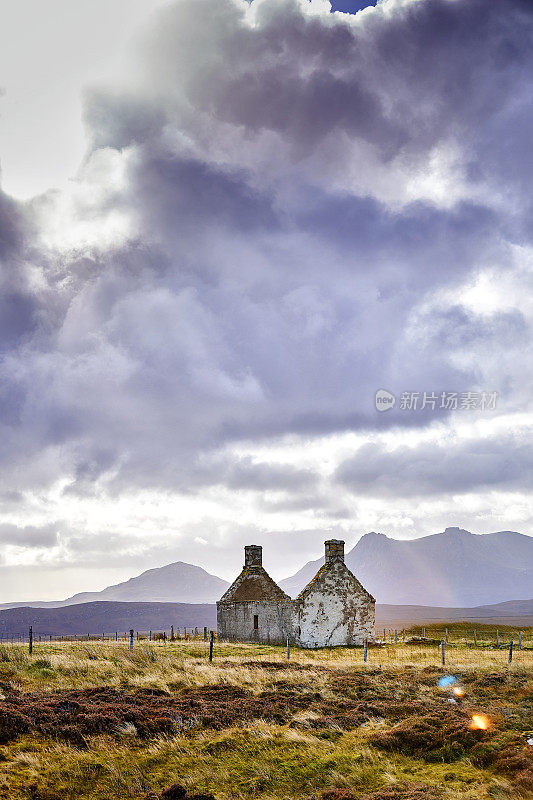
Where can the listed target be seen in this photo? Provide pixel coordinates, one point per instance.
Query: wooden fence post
(365, 651)
(205, 633)
(510, 651)
(446, 635)
(30, 640)
(131, 638)
(475, 638)
(172, 633)
(443, 652)
(211, 639)
(288, 648)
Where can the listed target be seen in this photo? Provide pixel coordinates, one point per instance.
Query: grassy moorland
(96, 720)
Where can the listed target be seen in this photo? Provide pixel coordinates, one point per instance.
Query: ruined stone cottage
(333, 609)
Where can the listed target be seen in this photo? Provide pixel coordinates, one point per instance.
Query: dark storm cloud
(188, 195)
(285, 232)
(449, 467)
(19, 309)
(236, 474)
(456, 328)
(28, 535)
(296, 75)
(245, 474)
(403, 81)
(322, 505)
(11, 225)
(17, 302)
(432, 246)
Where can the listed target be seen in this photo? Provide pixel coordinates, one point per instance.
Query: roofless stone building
(254, 608)
(334, 609)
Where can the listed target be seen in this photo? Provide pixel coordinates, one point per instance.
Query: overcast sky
(223, 228)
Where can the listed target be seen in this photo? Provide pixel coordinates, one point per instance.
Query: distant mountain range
(454, 568)
(106, 617)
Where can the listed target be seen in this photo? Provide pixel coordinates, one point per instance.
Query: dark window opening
(256, 622)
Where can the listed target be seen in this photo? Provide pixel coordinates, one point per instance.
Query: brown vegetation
(320, 726)
(434, 737)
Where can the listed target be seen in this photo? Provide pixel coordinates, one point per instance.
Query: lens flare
(458, 691)
(480, 722)
(447, 680)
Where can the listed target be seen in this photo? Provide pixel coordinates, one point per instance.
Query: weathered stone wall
(235, 621)
(334, 550)
(253, 555)
(334, 609)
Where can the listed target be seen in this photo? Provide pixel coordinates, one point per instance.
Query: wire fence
(462, 635)
(453, 636)
(169, 635)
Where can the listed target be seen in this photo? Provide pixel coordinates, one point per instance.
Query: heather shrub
(433, 737)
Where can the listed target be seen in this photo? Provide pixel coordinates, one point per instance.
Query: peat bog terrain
(98, 720)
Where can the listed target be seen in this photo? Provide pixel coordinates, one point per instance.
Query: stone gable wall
(334, 610)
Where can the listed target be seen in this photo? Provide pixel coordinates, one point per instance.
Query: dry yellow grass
(256, 758)
(183, 663)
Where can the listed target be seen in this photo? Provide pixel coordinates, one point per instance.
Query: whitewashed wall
(334, 610)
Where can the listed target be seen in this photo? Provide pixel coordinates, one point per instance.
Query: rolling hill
(108, 617)
(515, 612)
